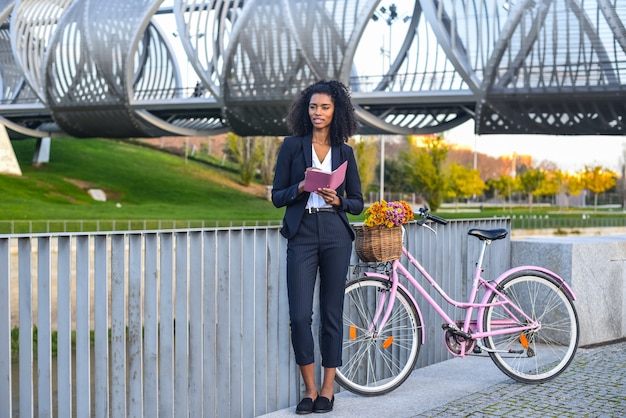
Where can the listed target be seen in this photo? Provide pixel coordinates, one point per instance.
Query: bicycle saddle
(491, 234)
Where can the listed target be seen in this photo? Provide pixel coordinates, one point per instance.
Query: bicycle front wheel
(377, 361)
(537, 355)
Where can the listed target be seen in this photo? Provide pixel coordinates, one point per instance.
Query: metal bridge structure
(116, 68)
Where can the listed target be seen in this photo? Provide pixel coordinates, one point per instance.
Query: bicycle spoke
(545, 351)
(377, 359)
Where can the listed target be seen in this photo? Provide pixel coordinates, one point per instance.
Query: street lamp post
(391, 14)
(382, 167)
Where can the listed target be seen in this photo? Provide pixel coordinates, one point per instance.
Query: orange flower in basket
(385, 214)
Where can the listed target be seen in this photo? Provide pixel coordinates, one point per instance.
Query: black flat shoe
(322, 404)
(305, 406)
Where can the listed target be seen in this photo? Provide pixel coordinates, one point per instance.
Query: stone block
(8, 160)
(42, 151)
(97, 194)
(595, 268)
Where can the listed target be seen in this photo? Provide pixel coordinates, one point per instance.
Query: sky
(569, 153)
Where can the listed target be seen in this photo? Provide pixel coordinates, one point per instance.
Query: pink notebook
(315, 178)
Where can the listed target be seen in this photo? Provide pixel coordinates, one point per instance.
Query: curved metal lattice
(10, 76)
(33, 24)
(104, 56)
(414, 66)
(205, 28)
(262, 36)
(529, 77)
(12, 81)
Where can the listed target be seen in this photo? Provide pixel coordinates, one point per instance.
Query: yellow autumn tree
(247, 152)
(463, 183)
(504, 186)
(269, 151)
(530, 181)
(561, 182)
(424, 161)
(366, 155)
(550, 186)
(597, 180)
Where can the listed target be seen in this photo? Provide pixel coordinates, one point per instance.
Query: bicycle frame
(473, 329)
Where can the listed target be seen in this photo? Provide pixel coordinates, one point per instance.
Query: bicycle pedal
(477, 350)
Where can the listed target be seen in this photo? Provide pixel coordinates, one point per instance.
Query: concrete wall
(595, 267)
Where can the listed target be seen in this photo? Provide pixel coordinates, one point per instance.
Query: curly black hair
(344, 123)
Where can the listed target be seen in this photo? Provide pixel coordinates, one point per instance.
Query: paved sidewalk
(593, 386)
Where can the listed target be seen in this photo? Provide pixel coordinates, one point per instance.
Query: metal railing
(47, 226)
(185, 322)
(573, 222)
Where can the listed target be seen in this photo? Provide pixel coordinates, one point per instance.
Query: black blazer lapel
(307, 149)
(337, 155)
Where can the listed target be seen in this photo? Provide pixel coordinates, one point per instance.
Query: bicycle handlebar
(423, 212)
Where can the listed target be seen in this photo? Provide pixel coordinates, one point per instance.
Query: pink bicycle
(525, 321)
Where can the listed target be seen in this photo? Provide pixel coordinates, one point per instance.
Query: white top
(315, 200)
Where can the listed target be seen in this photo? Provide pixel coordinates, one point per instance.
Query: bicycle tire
(377, 361)
(533, 356)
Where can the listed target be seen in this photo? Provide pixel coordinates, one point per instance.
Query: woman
(316, 226)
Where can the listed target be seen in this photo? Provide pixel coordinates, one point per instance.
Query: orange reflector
(352, 332)
(523, 340)
(388, 342)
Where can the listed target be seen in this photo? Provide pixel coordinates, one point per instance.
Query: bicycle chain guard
(454, 339)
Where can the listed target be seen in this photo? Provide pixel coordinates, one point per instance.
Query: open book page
(315, 179)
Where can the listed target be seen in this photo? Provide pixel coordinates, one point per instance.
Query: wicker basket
(378, 244)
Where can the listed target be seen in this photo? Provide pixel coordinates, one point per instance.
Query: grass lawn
(143, 183)
(140, 183)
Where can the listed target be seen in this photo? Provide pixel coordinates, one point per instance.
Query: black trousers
(322, 242)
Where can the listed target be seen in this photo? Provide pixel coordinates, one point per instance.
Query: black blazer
(294, 157)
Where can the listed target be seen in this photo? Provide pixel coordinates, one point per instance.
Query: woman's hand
(301, 184)
(329, 195)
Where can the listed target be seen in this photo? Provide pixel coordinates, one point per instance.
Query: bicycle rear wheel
(537, 355)
(377, 361)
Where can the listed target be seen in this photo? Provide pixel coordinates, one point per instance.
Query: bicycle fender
(417, 308)
(566, 287)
